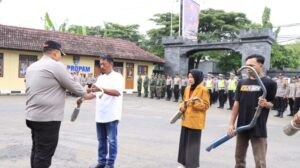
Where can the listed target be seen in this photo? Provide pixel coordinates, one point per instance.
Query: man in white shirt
(108, 111)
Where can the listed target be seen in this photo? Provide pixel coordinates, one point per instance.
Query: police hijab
(198, 78)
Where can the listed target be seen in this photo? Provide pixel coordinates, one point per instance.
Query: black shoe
(109, 166)
(98, 166)
(277, 115)
(290, 115)
(281, 115)
(175, 101)
(229, 109)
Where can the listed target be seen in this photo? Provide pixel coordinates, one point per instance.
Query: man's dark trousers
(44, 141)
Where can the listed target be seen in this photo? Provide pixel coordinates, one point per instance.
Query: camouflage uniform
(158, 87)
(146, 86)
(139, 86)
(152, 87)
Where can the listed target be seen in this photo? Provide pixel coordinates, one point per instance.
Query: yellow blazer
(195, 113)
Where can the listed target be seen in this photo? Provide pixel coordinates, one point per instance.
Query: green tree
(266, 18)
(218, 24)
(281, 56)
(163, 22)
(127, 32)
(49, 25)
(76, 29)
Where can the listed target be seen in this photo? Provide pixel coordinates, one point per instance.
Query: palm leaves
(49, 25)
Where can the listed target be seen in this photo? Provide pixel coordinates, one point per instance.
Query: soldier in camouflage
(146, 86)
(152, 86)
(139, 85)
(158, 87)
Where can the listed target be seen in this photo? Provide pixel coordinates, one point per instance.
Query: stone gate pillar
(175, 57)
(249, 42)
(257, 42)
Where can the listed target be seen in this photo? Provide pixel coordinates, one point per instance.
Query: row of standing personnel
(288, 94)
(162, 86)
(221, 89)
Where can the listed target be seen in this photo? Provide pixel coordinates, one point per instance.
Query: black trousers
(231, 98)
(210, 96)
(221, 98)
(297, 104)
(215, 96)
(44, 141)
(291, 104)
(281, 104)
(176, 92)
(189, 147)
(169, 92)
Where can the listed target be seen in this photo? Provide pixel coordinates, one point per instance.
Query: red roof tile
(32, 39)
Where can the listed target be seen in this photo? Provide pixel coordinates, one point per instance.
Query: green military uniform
(146, 86)
(158, 87)
(139, 86)
(152, 86)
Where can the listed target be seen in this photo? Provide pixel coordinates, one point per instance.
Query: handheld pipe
(226, 137)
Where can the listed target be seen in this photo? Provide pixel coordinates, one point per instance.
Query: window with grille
(24, 62)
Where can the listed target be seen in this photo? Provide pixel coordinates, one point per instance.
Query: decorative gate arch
(248, 42)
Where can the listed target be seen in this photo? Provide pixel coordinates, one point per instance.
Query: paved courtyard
(146, 139)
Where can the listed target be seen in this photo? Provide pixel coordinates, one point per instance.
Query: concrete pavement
(146, 139)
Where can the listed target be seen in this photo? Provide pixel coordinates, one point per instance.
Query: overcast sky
(29, 13)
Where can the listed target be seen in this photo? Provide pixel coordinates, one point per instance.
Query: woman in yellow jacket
(194, 106)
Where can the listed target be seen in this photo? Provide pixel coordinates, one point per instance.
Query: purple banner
(190, 19)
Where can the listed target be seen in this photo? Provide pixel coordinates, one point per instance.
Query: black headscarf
(198, 77)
